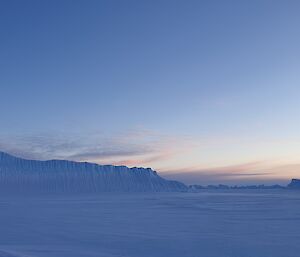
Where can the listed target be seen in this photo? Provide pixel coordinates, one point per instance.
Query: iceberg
(21, 175)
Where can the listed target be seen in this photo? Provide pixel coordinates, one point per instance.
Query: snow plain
(241, 223)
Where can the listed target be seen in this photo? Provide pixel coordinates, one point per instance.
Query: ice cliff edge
(17, 174)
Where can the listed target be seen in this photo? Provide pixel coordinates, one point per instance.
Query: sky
(204, 92)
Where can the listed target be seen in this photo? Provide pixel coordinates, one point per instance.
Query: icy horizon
(11, 166)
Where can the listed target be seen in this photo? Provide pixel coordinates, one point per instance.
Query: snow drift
(20, 175)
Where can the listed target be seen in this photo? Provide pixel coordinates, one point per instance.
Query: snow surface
(240, 223)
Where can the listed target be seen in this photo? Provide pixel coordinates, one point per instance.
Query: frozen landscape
(69, 209)
(149, 128)
(242, 223)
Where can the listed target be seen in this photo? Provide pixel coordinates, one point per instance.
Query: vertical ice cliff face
(20, 175)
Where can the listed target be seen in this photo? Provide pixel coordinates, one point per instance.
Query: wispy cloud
(148, 148)
(132, 148)
(145, 160)
(245, 173)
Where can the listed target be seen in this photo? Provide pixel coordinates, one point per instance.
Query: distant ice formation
(295, 184)
(196, 188)
(20, 175)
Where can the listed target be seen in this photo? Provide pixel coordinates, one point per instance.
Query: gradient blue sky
(202, 91)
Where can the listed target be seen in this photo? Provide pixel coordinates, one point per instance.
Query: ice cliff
(20, 175)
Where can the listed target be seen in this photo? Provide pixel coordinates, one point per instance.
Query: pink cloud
(255, 172)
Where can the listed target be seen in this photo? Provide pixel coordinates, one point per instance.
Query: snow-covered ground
(207, 224)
